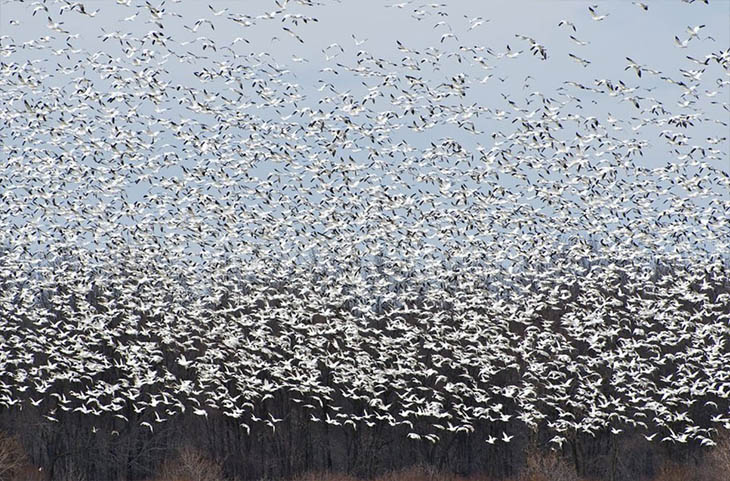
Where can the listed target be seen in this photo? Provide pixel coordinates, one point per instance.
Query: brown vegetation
(192, 464)
(323, 476)
(720, 456)
(12, 457)
(546, 466)
(14, 463)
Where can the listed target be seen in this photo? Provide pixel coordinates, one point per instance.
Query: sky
(645, 36)
(313, 58)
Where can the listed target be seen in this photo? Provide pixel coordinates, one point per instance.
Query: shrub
(717, 467)
(29, 472)
(415, 473)
(12, 457)
(546, 466)
(676, 472)
(191, 465)
(720, 455)
(320, 476)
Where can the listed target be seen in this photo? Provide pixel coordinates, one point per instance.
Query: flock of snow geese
(192, 223)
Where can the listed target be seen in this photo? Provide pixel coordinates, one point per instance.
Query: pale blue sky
(647, 37)
(628, 31)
